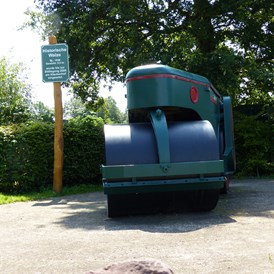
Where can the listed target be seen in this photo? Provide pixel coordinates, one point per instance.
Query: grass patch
(48, 193)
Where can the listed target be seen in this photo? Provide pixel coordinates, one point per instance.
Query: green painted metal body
(159, 124)
(136, 178)
(229, 151)
(150, 186)
(198, 169)
(157, 91)
(158, 86)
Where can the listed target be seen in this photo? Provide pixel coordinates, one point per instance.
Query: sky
(25, 46)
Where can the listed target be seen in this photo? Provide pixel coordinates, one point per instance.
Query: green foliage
(254, 145)
(14, 93)
(26, 157)
(111, 112)
(76, 108)
(15, 97)
(84, 150)
(40, 112)
(230, 42)
(26, 154)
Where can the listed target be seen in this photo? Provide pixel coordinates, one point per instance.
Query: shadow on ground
(88, 211)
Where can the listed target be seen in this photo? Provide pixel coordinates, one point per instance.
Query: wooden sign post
(58, 133)
(55, 68)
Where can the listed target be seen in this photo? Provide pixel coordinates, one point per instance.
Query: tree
(40, 112)
(108, 111)
(16, 105)
(15, 96)
(75, 108)
(230, 42)
(112, 112)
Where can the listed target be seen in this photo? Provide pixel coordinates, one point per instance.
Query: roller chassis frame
(134, 182)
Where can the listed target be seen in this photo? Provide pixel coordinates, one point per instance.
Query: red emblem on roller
(194, 95)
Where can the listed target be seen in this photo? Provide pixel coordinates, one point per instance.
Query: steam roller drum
(136, 144)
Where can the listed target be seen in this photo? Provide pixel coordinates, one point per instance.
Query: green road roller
(176, 151)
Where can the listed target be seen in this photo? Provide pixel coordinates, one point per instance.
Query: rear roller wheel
(115, 206)
(205, 200)
(136, 203)
(225, 189)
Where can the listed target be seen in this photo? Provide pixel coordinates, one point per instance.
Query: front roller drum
(135, 144)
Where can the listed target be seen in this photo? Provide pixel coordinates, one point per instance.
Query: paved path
(73, 235)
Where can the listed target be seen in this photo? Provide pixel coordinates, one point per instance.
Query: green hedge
(83, 150)
(254, 145)
(26, 157)
(26, 154)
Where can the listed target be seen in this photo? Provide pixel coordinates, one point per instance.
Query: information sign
(55, 63)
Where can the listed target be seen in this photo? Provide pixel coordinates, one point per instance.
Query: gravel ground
(72, 234)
